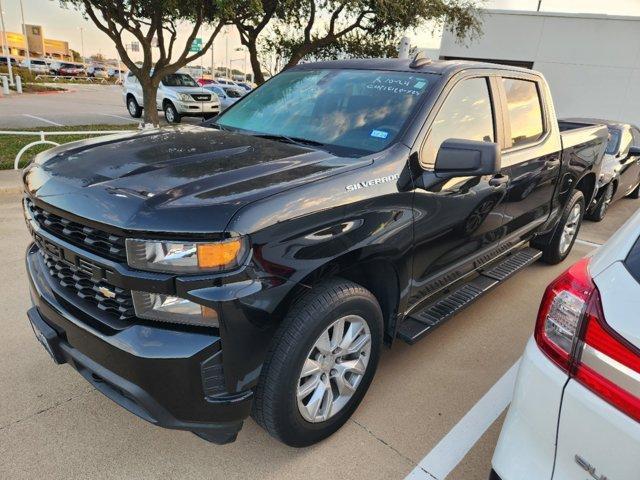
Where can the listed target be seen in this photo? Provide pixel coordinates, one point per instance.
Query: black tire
(134, 109)
(635, 193)
(552, 253)
(275, 405)
(597, 213)
(171, 114)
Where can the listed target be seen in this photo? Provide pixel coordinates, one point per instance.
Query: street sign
(135, 47)
(196, 45)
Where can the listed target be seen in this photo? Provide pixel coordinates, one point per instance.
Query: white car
(36, 65)
(575, 413)
(178, 96)
(227, 95)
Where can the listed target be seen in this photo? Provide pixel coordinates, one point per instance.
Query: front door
(459, 218)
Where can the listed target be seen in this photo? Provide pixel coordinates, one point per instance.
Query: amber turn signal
(218, 255)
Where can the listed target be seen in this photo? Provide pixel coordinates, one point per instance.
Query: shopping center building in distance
(39, 46)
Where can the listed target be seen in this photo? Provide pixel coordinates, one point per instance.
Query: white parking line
(44, 120)
(587, 242)
(118, 116)
(444, 457)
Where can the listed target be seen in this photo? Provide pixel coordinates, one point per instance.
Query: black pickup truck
(257, 264)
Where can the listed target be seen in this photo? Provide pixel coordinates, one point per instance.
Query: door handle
(499, 180)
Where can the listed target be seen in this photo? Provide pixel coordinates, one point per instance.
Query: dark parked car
(257, 264)
(620, 173)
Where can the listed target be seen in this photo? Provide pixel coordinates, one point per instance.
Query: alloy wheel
(333, 368)
(570, 228)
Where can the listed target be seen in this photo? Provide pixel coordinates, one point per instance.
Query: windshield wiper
(287, 139)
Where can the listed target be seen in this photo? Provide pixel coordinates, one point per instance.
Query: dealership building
(592, 62)
(39, 46)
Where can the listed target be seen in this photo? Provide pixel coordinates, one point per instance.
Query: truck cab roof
(440, 67)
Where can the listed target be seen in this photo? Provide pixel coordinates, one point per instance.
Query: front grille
(78, 280)
(97, 241)
(201, 97)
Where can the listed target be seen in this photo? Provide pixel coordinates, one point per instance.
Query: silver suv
(178, 96)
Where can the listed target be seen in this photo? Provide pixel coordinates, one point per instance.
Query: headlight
(185, 97)
(186, 257)
(167, 308)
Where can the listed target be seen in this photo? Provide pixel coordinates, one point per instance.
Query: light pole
(244, 66)
(81, 43)
(26, 39)
(5, 45)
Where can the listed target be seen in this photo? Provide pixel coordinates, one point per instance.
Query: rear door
(629, 164)
(531, 152)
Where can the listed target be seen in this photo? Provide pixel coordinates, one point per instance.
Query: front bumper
(159, 374)
(197, 108)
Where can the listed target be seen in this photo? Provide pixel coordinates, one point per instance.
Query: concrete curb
(10, 182)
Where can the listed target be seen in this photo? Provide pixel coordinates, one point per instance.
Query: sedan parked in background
(575, 413)
(227, 95)
(97, 71)
(245, 85)
(620, 172)
(36, 65)
(71, 70)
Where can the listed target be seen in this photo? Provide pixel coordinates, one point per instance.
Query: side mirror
(635, 151)
(467, 158)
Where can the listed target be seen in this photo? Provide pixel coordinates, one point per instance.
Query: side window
(465, 114)
(625, 142)
(525, 112)
(635, 133)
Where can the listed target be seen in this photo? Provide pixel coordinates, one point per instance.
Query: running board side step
(419, 324)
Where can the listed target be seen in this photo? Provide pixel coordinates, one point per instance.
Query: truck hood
(181, 179)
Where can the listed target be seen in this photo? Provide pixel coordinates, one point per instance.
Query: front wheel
(171, 114)
(321, 363)
(556, 247)
(134, 109)
(635, 193)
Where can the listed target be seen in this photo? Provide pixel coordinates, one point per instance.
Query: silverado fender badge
(370, 183)
(590, 469)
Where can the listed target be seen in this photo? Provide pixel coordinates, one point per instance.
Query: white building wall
(592, 62)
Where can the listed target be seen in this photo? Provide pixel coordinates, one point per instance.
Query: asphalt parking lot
(54, 425)
(80, 105)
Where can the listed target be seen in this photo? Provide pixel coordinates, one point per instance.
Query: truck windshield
(361, 111)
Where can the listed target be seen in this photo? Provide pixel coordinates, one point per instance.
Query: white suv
(575, 413)
(178, 96)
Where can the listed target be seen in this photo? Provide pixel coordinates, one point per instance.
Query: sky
(65, 24)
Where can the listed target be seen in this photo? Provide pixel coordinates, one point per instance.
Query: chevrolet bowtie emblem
(106, 292)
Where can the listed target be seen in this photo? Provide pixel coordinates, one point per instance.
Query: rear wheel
(602, 205)
(134, 109)
(321, 363)
(635, 193)
(171, 114)
(557, 246)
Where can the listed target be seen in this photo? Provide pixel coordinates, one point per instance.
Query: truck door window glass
(465, 114)
(355, 111)
(525, 113)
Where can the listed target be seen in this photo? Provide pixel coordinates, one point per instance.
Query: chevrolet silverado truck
(258, 263)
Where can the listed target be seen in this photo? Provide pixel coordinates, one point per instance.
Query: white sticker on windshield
(379, 134)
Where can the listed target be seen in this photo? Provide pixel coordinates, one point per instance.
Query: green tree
(75, 56)
(151, 23)
(297, 29)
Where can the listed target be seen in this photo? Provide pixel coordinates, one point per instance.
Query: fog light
(167, 308)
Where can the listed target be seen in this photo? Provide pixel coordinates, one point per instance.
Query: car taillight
(572, 332)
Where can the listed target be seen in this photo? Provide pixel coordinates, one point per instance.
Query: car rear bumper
(526, 447)
(159, 374)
